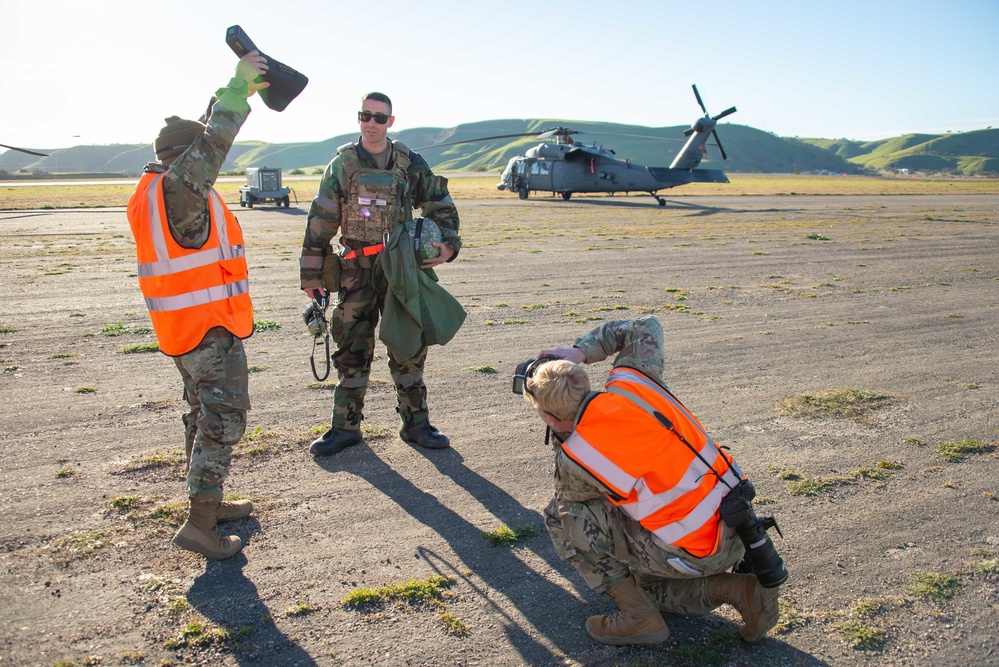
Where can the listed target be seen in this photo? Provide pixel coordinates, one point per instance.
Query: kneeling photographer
(647, 507)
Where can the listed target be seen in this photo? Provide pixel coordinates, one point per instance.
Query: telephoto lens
(761, 555)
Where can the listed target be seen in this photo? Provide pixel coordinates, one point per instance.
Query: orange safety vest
(189, 290)
(652, 475)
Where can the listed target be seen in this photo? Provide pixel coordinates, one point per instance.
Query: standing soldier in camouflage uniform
(193, 275)
(635, 512)
(367, 189)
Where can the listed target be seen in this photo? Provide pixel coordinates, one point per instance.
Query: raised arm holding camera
(647, 507)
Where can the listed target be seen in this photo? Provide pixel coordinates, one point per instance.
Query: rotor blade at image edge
(24, 150)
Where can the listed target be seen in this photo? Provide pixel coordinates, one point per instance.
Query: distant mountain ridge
(749, 150)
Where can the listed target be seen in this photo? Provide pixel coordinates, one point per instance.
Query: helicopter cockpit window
(545, 168)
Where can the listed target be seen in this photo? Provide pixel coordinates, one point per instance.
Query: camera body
(525, 370)
(286, 83)
(762, 558)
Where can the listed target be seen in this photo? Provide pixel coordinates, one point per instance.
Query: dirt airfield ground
(893, 558)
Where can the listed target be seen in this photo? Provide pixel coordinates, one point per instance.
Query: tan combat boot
(638, 623)
(757, 605)
(233, 510)
(198, 534)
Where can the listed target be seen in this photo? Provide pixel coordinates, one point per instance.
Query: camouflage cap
(176, 136)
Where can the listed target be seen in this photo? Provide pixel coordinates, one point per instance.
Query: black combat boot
(423, 435)
(334, 440)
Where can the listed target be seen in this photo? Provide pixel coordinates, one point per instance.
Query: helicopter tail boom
(670, 177)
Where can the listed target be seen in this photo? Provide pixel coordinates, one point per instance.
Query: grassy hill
(967, 153)
(749, 150)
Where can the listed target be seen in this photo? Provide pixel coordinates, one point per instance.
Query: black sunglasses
(380, 118)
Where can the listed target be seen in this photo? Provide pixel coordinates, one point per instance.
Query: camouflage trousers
(353, 323)
(606, 546)
(216, 390)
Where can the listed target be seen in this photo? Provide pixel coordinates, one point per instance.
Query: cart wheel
(249, 201)
(286, 202)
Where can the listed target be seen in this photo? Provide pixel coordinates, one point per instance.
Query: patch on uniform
(423, 233)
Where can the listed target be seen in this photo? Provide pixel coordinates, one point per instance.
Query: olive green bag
(331, 271)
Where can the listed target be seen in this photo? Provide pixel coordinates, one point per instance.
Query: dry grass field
(840, 341)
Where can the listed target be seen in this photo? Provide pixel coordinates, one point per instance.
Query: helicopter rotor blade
(543, 135)
(727, 112)
(23, 150)
(699, 101)
(718, 142)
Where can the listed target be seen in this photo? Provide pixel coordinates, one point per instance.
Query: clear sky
(108, 71)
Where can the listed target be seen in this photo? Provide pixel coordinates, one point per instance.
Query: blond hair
(558, 388)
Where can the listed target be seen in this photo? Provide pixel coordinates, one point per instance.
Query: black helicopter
(567, 167)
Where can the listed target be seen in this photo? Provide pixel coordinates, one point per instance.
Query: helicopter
(567, 167)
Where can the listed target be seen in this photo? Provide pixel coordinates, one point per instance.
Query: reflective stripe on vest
(198, 298)
(678, 505)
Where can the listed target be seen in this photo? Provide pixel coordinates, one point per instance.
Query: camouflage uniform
(596, 536)
(361, 297)
(215, 372)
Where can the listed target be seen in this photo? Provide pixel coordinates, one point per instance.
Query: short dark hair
(378, 97)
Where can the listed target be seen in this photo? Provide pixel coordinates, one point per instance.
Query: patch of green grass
(861, 635)
(487, 370)
(127, 505)
(514, 321)
(414, 591)
(452, 624)
(817, 237)
(157, 459)
(301, 609)
(198, 633)
(789, 618)
(326, 385)
(85, 390)
(846, 402)
(533, 306)
(256, 369)
(265, 325)
(934, 586)
(65, 471)
(173, 513)
(717, 651)
(62, 355)
(116, 329)
(7, 330)
(131, 658)
(176, 605)
(141, 348)
(505, 536)
(81, 545)
(987, 568)
(957, 450)
(259, 442)
(913, 440)
(869, 607)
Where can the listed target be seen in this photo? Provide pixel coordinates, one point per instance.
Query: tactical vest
(652, 475)
(189, 290)
(375, 200)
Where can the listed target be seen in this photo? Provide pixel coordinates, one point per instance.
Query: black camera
(286, 83)
(762, 558)
(525, 370)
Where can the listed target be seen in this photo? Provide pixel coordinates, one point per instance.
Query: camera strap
(668, 425)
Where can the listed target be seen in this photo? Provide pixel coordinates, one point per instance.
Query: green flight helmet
(423, 234)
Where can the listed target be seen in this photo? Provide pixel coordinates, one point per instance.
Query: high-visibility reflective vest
(652, 475)
(189, 290)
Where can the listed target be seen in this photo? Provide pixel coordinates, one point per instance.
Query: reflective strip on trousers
(197, 297)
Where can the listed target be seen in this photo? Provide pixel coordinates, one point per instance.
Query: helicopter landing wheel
(662, 202)
(566, 195)
(522, 193)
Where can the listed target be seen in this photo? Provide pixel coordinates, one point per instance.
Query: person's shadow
(223, 595)
(546, 607)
